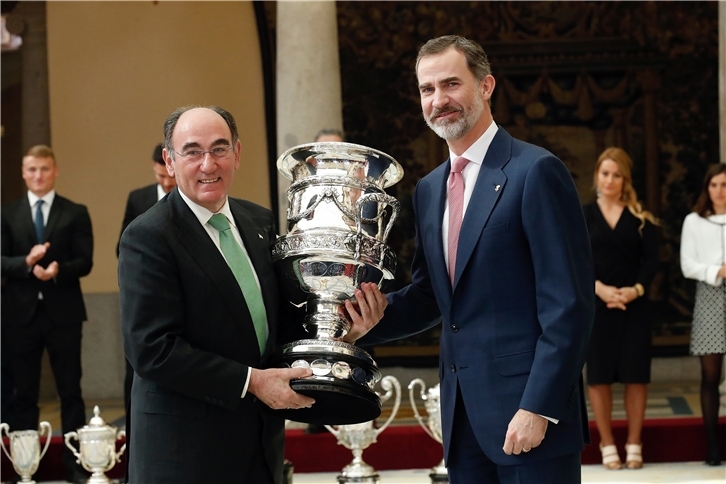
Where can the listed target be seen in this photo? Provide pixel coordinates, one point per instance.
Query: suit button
(214, 400)
(207, 398)
(221, 402)
(455, 328)
(453, 368)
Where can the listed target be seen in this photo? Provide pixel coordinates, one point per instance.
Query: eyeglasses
(217, 153)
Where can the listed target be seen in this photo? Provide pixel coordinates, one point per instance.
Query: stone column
(308, 79)
(28, 21)
(722, 134)
(650, 83)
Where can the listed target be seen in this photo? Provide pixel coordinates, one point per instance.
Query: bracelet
(639, 289)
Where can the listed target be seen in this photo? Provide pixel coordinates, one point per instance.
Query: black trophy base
(341, 384)
(336, 403)
(439, 478)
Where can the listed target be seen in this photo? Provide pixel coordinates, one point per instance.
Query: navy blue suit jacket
(517, 322)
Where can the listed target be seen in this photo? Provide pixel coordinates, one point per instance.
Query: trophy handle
(48, 431)
(411, 387)
(380, 198)
(332, 430)
(121, 433)
(6, 429)
(67, 438)
(388, 383)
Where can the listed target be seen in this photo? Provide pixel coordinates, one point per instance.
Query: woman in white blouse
(703, 258)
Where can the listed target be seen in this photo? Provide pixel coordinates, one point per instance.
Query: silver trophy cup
(432, 402)
(339, 219)
(97, 447)
(358, 437)
(25, 453)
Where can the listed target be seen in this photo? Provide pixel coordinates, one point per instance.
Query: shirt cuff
(247, 382)
(553, 420)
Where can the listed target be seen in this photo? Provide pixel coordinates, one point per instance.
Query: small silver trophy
(339, 219)
(25, 451)
(358, 437)
(98, 447)
(432, 402)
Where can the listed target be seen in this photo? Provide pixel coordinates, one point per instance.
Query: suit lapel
(489, 187)
(437, 207)
(25, 221)
(200, 247)
(56, 212)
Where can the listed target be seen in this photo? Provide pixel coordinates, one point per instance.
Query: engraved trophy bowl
(25, 453)
(339, 218)
(97, 447)
(358, 437)
(432, 403)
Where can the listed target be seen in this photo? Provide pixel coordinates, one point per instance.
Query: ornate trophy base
(342, 382)
(375, 479)
(439, 478)
(439, 474)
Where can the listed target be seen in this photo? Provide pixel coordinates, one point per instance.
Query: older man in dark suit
(199, 311)
(139, 201)
(47, 246)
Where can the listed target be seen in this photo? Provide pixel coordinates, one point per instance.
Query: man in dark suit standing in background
(47, 246)
(200, 307)
(503, 258)
(139, 201)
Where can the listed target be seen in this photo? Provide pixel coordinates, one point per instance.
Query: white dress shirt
(203, 215)
(475, 154)
(47, 203)
(703, 247)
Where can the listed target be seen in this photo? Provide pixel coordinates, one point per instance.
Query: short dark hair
(173, 118)
(704, 205)
(476, 58)
(157, 156)
(328, 131)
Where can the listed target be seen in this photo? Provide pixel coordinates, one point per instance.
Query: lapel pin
(496, 188)
(260, 236)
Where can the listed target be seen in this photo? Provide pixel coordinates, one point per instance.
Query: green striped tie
(242, 270)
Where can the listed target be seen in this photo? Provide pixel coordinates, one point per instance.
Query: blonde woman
(703, 258)
(624, 243)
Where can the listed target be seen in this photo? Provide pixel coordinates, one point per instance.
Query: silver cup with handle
(432, 403)
(25, 453)
(360, 436)
(339, 219)
(97, 447)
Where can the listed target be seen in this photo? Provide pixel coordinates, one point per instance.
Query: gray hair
(476, 58)
(171, 121)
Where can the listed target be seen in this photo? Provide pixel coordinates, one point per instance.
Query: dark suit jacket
(517, 322)
(71, 244)
(190, 339)
(139, 201)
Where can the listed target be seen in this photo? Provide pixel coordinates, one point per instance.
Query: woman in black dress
(625, 249)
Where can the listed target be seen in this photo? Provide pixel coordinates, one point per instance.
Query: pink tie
(456, 210)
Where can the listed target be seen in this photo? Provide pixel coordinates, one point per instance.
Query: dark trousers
(25, 345)
(467, 462)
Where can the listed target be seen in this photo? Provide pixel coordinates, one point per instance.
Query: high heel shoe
(713, 458)
(610, 457)
(634, 456)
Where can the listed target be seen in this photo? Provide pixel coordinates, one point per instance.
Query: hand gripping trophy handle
(424, 397)
(121, 433)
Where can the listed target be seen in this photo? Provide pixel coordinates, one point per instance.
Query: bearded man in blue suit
(515, 293)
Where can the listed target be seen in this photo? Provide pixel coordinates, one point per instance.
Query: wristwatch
(639, 289)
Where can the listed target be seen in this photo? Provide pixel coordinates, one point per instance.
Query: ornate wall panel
(574, 77)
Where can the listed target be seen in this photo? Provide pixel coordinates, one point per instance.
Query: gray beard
(451, 130)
